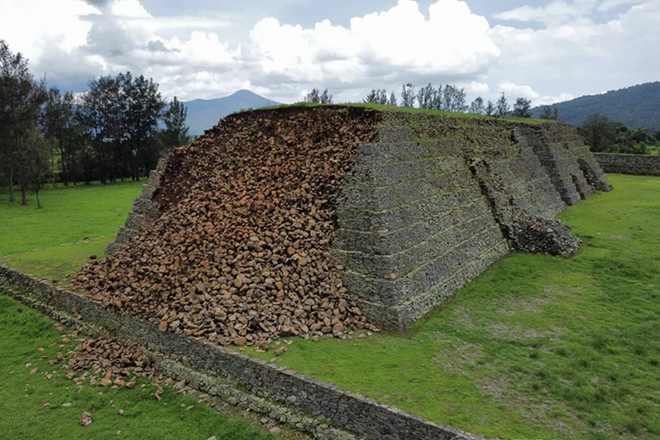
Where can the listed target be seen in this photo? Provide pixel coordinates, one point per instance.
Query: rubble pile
(109, 362)
(241, 250)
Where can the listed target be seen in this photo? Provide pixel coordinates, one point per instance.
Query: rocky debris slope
(240, 251)
(525, 232)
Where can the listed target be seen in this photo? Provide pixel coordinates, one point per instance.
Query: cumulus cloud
(381, 49)
(370, 46)
(513, 91)
(580, 55)
(210, 56)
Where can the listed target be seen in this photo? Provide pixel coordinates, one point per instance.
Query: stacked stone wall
(570, 165)
(413, 228)
(415, 224)
(145, 209)
(629, 164)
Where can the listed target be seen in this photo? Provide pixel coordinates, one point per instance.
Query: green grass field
(31, 404)
(538, 347)
(52, 243)
(75, 223)
(69, 215)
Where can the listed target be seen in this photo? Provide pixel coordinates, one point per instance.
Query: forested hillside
(636, 107)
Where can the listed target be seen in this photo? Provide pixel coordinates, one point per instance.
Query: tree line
(605, 135)
(448, 98)
(599, 132)
(117, 129)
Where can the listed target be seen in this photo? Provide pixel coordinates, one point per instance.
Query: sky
(545, 51)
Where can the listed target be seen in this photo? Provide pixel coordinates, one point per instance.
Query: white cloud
(581, 49)
(33, 26)
(514, 91)
(398, 40)
(476, 88)
(551, 13)
(210, 56)
(190, 57)
(611, 4)
(128, 9)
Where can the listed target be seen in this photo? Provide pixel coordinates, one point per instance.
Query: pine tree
(175, 133)
(408, 95)
(521, 108)
(502, 107)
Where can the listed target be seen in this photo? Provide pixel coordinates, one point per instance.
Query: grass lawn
(69, 215)
(31, 404)
(537, 347)
(75, 223)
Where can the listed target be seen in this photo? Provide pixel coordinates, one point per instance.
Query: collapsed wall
(304, 220)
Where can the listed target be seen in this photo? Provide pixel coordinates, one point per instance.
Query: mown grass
(31, 404)
(58, 263)
(61, 234)
(537, 347)
(69, 215)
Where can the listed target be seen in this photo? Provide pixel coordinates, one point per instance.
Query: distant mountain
(204, 114)
(636, 107)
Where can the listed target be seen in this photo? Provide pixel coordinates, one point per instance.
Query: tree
(477, 106)
(521, 108)
(175, 133)
(372, 97)
(502, 107)
(143, 111)
(376, 96)
(326, 98)
(33, 169)
(599, 132)
(490, 109)
(426, 96)
(20, 100)
(392, 100)
(102, 112)
(408, 95)
(58, 121)
(313, 97)
(546, 112)
(453, 99)
(382, 97)
(437, 99)
(316, 97)
(549, 112)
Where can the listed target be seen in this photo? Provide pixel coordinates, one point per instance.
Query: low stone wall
(629, 164)
(322, 400)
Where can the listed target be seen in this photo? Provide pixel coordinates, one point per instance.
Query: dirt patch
(511, 305)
